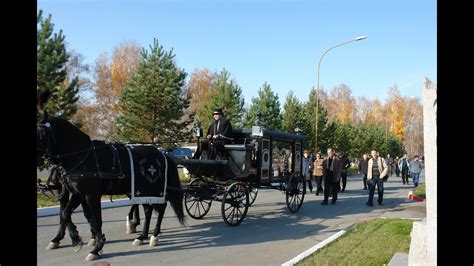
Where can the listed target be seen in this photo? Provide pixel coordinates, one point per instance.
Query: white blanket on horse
(149, 170)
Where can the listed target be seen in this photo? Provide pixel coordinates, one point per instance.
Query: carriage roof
(268, 133)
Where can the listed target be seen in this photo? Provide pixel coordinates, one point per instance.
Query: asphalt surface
(269, 235)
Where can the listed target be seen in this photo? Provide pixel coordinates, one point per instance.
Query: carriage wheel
(195, 200)
(235, 204)
(295, 191)
(253, 191)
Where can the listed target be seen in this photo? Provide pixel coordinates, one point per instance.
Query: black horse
(56, 184)
(95, 168)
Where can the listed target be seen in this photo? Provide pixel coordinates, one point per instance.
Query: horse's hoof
(77, 247)
(92, 242)
(52, 245)
(153, 241)
(137, 242)
(91, 257)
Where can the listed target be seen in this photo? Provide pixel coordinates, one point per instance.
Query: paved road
(269, 235)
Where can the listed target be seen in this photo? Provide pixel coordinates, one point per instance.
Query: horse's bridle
(46, 132)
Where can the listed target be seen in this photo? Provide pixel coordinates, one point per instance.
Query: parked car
(181, 152)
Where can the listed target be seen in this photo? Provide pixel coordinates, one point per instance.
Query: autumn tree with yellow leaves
(111, 76)
(201, 84)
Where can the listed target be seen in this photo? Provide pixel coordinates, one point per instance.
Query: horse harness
(116, 168)
(49, 155)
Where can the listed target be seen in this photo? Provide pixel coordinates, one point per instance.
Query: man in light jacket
(415, 170)
(377, 168)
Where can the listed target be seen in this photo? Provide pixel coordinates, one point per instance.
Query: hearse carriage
(256, 158)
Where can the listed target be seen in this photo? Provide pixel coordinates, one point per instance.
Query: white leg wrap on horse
(92, 242)
(137, 242)
(127, 225)
(77, 247)
(131, 227)
(52, 245)
(153, 241)
(91, 257)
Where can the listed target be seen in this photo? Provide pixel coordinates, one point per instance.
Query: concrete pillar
(431, 173)
(426, 231)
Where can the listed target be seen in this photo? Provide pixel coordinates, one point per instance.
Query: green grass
(43, 201)
(421, 191)
(369, 243)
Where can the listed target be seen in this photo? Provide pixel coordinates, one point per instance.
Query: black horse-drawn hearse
(257, 158)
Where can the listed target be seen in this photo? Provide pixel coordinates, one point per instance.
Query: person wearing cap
(218, 134)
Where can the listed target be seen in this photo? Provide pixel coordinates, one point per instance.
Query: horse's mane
(73, 133)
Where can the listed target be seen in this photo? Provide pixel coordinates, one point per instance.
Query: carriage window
(281, 155)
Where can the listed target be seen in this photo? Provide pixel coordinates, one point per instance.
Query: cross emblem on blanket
(152, 170)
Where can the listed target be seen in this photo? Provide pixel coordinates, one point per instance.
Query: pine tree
(268, 105)
(293, 113)
(228, 96)
(152, 104)
(51, 70)
(342, 134)
(308, 127)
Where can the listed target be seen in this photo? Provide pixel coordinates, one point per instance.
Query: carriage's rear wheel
(235, 204)
(295, 191)
(253, 191)
(196, 200)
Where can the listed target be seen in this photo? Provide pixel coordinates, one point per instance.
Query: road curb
(54, 210)
(313, 249)
(412, 196)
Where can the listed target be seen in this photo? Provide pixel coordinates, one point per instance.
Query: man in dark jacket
(308, 169)
(363, 165)
(332, 168)
(218, 134)
(346, 164)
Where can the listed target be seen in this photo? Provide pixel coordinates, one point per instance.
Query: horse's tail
(175, 193)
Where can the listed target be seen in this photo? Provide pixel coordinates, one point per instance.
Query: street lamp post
(317, 88)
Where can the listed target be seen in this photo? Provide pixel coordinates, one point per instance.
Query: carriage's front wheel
(235, 204)
(295, 191)
(253, 191)
(196, 200)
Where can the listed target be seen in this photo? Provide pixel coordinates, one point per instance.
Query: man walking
(332, 174)
(377, 167)
(415, 170)
(308, 169)
(345, 165)
(404, 167)
(363, 165)
(389, 164)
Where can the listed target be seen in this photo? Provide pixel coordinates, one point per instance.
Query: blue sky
(279, 42)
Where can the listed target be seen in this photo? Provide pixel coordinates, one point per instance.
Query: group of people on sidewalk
(330, 171)
(408, 169)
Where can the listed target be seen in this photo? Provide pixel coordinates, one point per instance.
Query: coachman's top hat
(217, 111)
